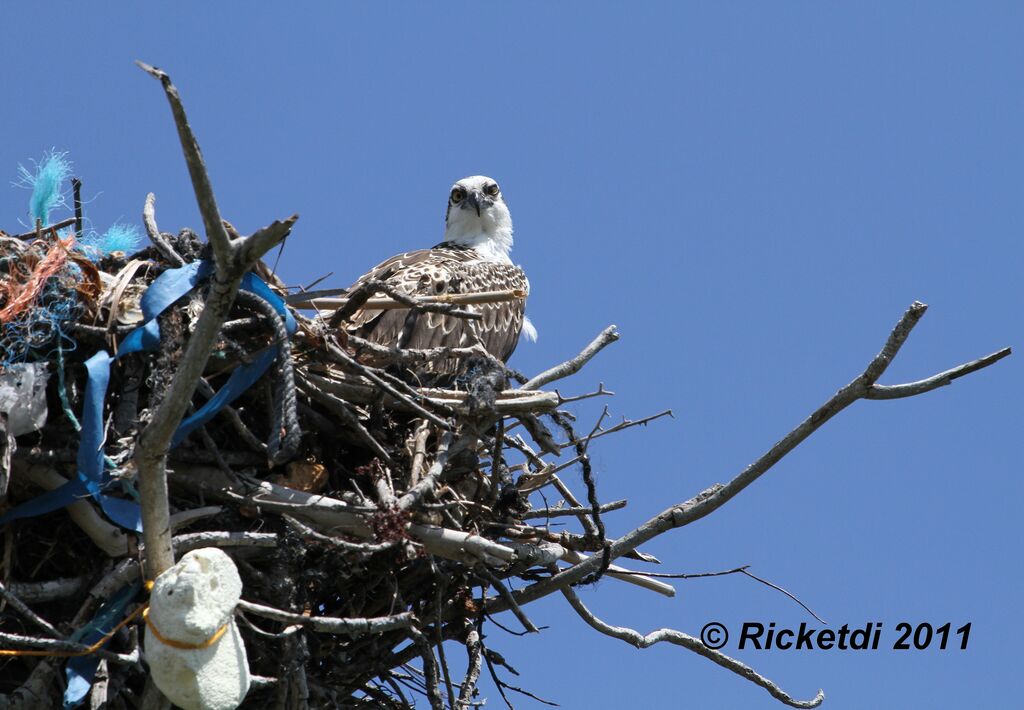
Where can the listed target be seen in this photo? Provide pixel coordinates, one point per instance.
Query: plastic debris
(195, 653)
(23, 396)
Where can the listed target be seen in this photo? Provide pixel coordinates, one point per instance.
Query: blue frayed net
(120, 237)
(46, 183)
(38, 304)
(34, 332)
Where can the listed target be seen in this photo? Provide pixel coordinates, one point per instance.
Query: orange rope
(44, 269)
(181, 644)
(144, 611)
(73, 654)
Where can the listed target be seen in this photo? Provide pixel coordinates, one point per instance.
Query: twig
(505, 594)
(910, 389)
(582, 510)
(413, 356)
(20, 607)
(350, 362)
(419, 452)
(33, 234)
(473, 651)
(401, 300)
(416, 493)
(508, 403)
(439, 590)
(780, 589)
(59, 646)
(624, 424)
(639, 579)
(76, 196)
(341, 410)
(606, 337)
(332, 624)
(162, 245)
(736, 570)
(368, 548)
(691, 643)
(429, 668)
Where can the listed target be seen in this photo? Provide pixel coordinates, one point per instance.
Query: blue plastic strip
(244, 376)
(47, 502)
(241, 379)
(167, 288)
(81, 670)
(92, 476)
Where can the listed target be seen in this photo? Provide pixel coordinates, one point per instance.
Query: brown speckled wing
(445, 269)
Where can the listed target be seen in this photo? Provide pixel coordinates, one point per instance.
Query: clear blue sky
(753, 192)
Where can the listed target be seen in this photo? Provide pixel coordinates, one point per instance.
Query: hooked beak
(472, 200)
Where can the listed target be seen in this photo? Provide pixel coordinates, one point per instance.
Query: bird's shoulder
(446, 262)
(440, 256)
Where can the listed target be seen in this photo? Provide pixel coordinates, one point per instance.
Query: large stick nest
(342, 491)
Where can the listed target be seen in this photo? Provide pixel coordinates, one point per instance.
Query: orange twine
(181, 644)
(144, 611)
(44, 269)
(73, 654)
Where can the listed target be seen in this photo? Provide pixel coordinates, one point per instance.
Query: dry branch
(714, 497)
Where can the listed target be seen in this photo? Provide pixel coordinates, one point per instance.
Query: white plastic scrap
(23, 396)
(189, 603)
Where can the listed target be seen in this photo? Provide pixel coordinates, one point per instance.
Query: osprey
(473, 258)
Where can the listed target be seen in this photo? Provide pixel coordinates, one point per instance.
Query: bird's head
(478, 217)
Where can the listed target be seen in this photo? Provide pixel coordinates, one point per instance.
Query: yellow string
(181, 644)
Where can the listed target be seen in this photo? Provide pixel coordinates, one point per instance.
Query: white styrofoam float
(189, 605)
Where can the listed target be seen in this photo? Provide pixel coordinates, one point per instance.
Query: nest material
(344, 492)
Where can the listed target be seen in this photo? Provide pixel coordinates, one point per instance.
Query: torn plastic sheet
(23, 396)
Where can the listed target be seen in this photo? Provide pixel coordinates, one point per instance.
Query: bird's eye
(492, 189)
(457, 195)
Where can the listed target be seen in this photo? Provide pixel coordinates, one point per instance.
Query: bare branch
(910, 389)
(895, 341)
(635, 638)
(232, 260)
(427, 483)
(717, 495)
(505, 594)
(606, 337)
(582, 510)
(624, 424)
(780, 589)
(332, 624)
(215, 231)
(161, 244)
(63, 224)
(50, 590)
(401, 300)
(474, 652)
(429, 669)
(22, 608)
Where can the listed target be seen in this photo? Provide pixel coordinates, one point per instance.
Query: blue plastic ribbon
(92, 477)
(245, 376)
(81, 670)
